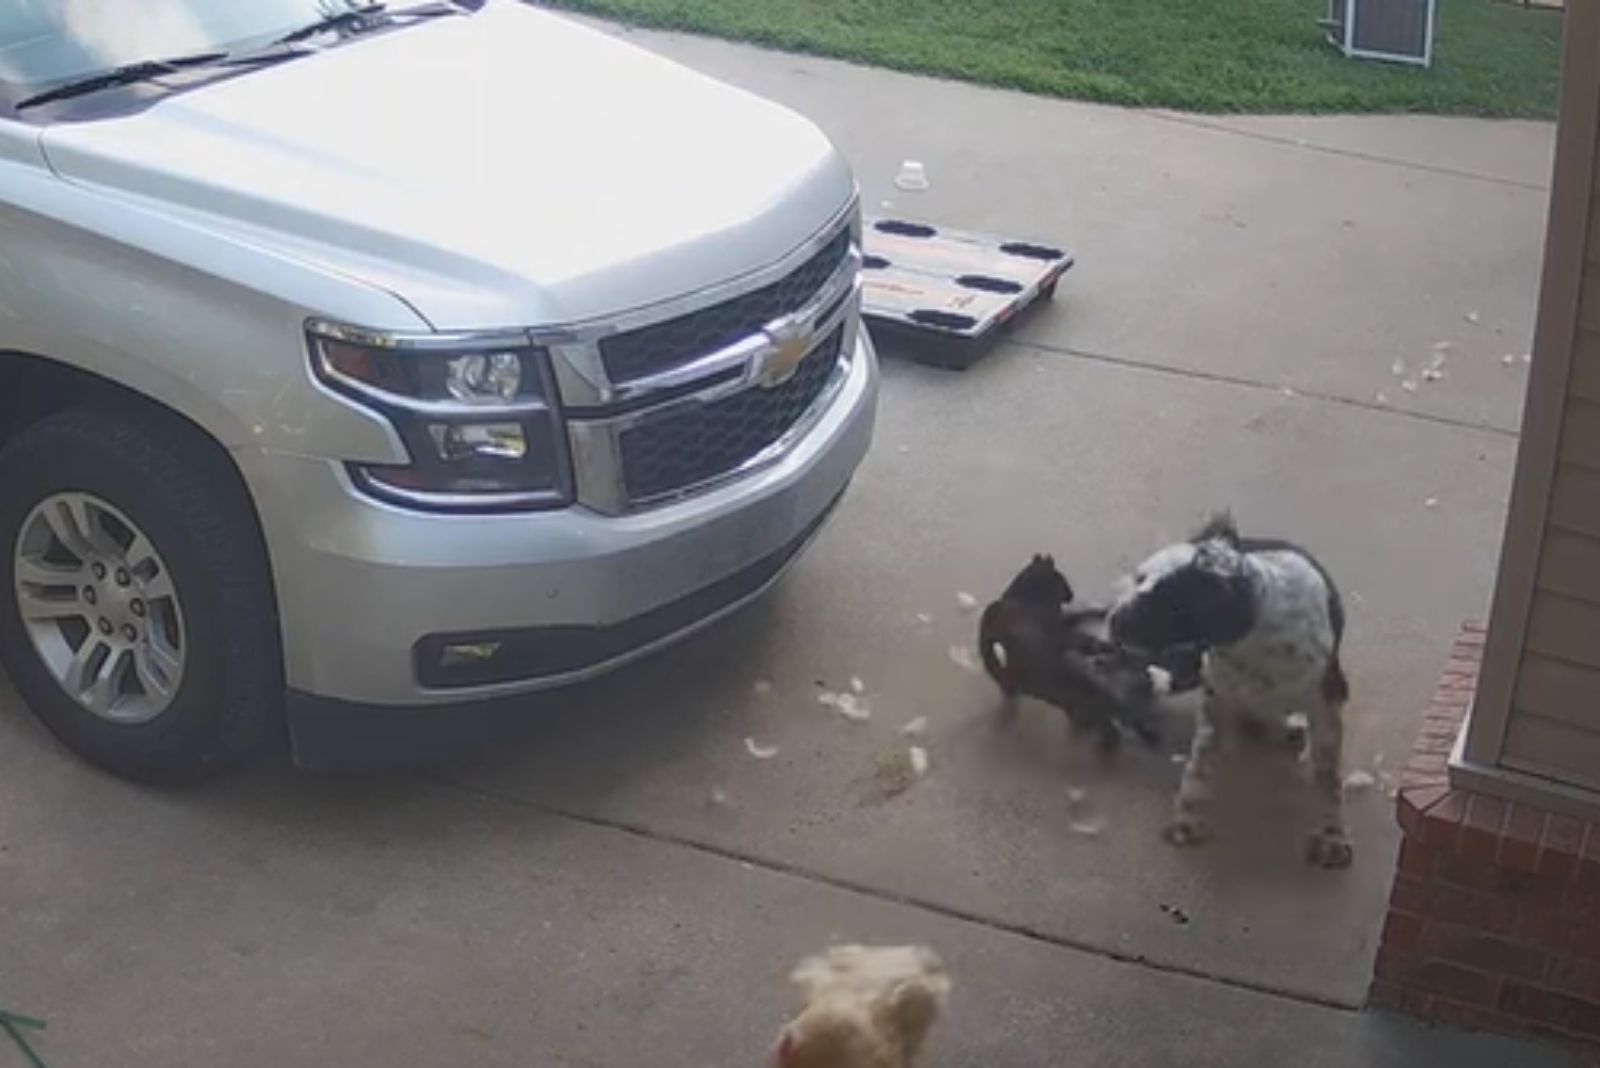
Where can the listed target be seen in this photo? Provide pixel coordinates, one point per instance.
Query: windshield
(46, 42)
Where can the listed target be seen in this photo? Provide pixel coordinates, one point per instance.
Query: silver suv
(362, 362)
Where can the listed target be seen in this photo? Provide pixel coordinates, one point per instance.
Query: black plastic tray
(941, 296)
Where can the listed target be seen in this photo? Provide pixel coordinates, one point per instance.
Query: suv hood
(507, 168)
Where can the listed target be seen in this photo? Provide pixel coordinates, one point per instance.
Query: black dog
(1034, 645)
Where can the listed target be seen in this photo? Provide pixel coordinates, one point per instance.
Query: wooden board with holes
(942, 296)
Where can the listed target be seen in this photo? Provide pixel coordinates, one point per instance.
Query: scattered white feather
(965, 658)
(1399, 368)
(1409, 385)
(1473, 317)
(1383, 398)
(857, 686)
(1288, 392)
(915, 728)
(1357, 781)
(1509, 358)
(967, 602)
(1432, 374)
(853, 708)
(1084, 822)
(1527, 357)
(1431, 502)
(919, 761)
(1179, 758)
(762, 686)
(759, 751)
(1442, 346)
(1297, 721)
(925, 619)
(718, 796)
(828, 699)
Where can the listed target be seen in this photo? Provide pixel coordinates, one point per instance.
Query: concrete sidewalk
(1244, 288)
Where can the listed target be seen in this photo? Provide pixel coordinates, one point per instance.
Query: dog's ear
(1220, 527)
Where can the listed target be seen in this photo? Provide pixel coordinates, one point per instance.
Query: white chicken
(865, 1007)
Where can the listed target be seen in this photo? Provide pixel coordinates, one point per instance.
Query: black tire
(186, 495)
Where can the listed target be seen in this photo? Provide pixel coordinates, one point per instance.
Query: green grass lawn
(1491, 58)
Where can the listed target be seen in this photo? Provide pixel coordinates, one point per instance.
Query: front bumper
(361, 584)
(331, 735)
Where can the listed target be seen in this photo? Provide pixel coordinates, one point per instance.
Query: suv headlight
(477, 414)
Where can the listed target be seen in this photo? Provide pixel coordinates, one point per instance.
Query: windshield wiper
(355, 19)
(375, 16)
(129, 73)
(351, 20)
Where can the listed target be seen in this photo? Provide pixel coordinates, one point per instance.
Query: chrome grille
(719, 386)
(662, 346)
(700, 442)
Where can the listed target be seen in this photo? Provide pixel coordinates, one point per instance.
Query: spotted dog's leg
(1189, 823)
(1328, 846)
(1296, 732)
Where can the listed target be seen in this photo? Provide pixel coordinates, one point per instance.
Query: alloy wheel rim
(99, 605)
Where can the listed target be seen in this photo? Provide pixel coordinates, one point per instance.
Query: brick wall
(1494, 920)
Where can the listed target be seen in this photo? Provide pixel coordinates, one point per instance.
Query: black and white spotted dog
(1272, 622)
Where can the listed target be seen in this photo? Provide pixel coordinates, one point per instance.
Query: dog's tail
(1335, 686)
(1221, 526)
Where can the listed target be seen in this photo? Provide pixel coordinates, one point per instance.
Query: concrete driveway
(626, 884)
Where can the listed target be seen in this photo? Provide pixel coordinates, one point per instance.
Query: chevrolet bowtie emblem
(790, 343)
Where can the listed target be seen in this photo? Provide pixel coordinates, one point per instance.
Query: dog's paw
(1329, 849)
(1188, 831)
(1296, 731)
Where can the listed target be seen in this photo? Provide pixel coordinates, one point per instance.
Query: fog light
(453, 656)
(479, 441)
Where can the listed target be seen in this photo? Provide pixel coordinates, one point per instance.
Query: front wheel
(136, 610)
